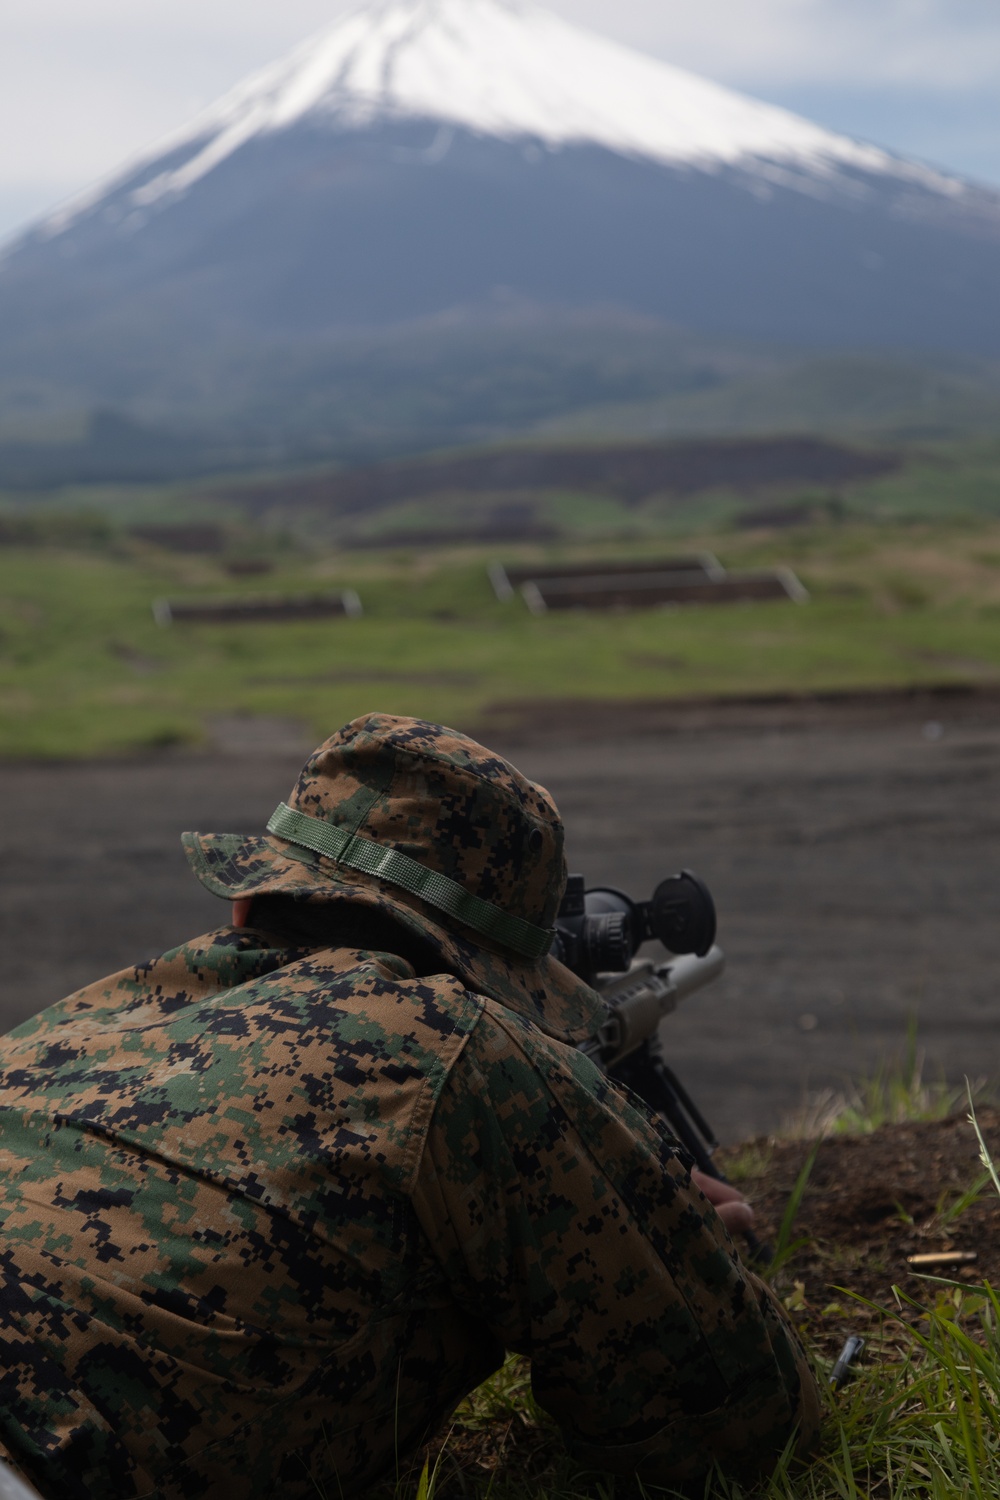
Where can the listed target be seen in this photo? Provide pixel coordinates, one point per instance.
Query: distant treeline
(116, 450)
(73, 529)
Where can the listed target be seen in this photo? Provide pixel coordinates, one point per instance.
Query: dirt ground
(852, 846)
(870, 1203)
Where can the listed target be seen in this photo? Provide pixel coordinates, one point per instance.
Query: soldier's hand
(728, 1202)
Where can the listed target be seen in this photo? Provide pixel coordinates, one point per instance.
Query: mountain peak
(510, 70)
(421, 165)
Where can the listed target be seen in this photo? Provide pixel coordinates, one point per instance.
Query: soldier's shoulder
(381, 988)
(513, 1067)
(157, 988)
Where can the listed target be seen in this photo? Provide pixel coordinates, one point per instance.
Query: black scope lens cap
(682, 914)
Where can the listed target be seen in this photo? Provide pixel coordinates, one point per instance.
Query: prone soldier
(272, 1203)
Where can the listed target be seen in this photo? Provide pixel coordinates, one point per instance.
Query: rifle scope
(601, 930)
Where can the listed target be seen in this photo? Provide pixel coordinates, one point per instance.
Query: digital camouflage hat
(421, 822)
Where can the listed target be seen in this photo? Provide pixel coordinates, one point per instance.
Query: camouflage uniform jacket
(267, 1214)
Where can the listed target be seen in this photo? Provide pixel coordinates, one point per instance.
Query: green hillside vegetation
(351, 397)
(580, 489)
(520, 376)
(845, 395)
(956, 480)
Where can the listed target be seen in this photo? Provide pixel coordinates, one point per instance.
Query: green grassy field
(905, 590)
(85, 670)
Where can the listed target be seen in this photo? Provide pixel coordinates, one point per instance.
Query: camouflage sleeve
(564, 1217)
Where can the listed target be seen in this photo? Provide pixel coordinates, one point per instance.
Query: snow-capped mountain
(423, 156)
(508, 70)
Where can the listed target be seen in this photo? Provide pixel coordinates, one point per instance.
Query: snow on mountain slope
(511, 70)
(427, 160)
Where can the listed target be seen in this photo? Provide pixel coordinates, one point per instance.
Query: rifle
(598, 934)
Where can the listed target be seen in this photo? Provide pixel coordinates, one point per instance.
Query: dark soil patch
(521, 719)
(629, 471)
(870, 1202)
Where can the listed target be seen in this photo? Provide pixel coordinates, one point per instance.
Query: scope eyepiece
(607, 942)
(595, 936)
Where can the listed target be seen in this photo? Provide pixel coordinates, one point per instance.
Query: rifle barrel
(640, 999)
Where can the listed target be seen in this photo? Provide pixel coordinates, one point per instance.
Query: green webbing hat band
(358, 853)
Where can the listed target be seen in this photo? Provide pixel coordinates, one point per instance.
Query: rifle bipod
(647, 1075)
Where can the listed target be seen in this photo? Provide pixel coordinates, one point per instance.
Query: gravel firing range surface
(854, 856)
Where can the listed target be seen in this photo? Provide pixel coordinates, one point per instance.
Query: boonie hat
(423, 823)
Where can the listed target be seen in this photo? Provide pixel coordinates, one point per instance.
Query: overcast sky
(85, 84)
